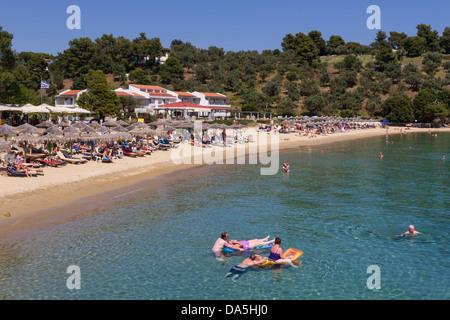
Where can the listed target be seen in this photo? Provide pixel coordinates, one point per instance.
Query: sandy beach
(73, 189)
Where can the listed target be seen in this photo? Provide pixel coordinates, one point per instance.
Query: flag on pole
(45, 85)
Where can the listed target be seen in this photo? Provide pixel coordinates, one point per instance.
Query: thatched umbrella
(169, 128)
(4, 145)
(122, 123)
(25, 139)
(71, 134)
(79, 125)
(24, 126)
(6, 130)
(87, 129)
(63, 124)
(53, 130)
(95, 125)
(103, 129)
(71, 129)
(45, 124)
(50, 137)
(119, 128)
(110, 123)
(31, 129)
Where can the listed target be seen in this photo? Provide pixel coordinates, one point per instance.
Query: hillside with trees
(399, 77)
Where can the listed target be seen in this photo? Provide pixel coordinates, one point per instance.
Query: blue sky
(40, 26)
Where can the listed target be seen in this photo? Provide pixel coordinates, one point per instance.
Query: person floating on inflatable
(242, 267)
(277, 256)
(241, 245)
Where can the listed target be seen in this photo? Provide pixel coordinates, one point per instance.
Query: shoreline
(71, 190)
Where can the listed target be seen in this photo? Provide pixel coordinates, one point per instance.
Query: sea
(341, 204)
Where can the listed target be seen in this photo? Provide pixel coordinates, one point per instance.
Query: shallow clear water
(343, 208)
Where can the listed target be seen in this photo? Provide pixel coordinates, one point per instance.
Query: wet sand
(62, 193)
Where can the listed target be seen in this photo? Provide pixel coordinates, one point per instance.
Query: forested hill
(398, 76)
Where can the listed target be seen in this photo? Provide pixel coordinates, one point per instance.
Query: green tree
(397, 40)
(6, 53)
(431, 61)
(444, 40)
(315, 104)
(431, 37)
(398, 108)
(99, 98)
(334, 42)
(319, 42)
(303, 46)
(171, 69)
(414, 46)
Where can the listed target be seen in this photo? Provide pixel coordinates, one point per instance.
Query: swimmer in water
(410, 232)
(242, 267)
(380, 156)
(286, 167)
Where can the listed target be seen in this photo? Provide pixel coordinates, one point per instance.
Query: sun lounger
(52, 163)
(130, 153)
(12, 171)
(69, 160)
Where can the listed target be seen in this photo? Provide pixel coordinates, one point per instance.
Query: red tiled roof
(142, 86)
(124, 93)
(215, 95)
(189, 106)
(160, 94)
(71, 93)
(186, 94)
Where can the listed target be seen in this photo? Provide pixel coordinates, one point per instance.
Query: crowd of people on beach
(319, 127)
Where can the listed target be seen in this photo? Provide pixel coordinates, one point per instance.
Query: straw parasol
(122, 123)
(25, 139)
(45, 124)
(79, 125)
(53, 130)
(31, 129)
(119, 128)
(103, 129)
(6, 130)
(71, 129)
(95, 125)
(63, 124)
(110, 123)
(50, 137)
(4, 145)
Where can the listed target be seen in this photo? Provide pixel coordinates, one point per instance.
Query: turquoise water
(343, 207)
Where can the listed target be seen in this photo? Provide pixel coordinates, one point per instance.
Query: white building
(68, 98)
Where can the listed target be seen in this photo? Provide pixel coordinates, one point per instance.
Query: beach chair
(129, 153)
(69, 160)
(12, 171)
(52, 163)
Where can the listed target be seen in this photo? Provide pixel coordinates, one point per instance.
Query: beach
(73, 189)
